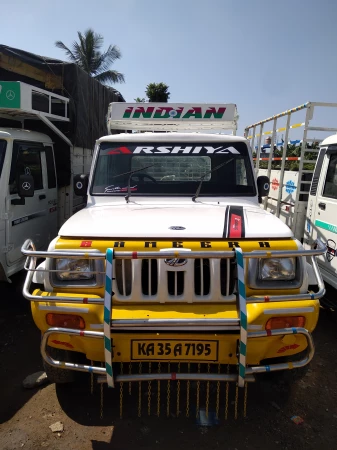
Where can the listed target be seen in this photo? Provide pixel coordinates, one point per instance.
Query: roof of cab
(329, 140)
(25, 135)
(171, 137)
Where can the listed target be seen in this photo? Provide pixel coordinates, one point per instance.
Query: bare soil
(25, 415)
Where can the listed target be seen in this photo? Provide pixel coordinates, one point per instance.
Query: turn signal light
(276, 323)
(65, 321)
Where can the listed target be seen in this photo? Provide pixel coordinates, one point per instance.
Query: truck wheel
(54, 374)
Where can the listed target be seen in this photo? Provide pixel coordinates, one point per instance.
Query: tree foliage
(157, 92)
(291, 151)
(87, 54)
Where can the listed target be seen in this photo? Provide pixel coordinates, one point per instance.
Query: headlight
(277, 269)
(74, 269)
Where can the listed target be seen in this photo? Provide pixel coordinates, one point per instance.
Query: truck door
(326, 216)
(31, 219)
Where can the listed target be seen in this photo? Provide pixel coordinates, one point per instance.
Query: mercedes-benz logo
(175, 262)
(10, 95)
(26, 186)
(177, 228)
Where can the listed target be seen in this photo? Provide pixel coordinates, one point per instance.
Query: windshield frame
(2, 153)
(246, 157)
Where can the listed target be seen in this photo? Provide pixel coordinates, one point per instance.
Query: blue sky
(265, 56)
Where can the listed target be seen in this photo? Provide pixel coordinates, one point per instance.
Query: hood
(198, 221)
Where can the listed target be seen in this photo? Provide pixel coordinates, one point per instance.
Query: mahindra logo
(175, 262)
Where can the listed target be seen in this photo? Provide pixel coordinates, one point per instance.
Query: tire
(54, 374)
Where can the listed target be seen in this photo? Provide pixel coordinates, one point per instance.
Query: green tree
(157, 92)
(139, 100)
(88, 56)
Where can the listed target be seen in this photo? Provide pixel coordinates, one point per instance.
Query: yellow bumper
(258, 349)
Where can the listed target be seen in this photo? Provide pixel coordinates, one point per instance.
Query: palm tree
(157, 92)
(87, 55)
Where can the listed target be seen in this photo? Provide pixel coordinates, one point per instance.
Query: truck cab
(24, 152)
(321, 221)
(173, 271)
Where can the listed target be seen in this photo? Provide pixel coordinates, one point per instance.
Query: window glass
(26, 161)
(3, 145)
(173, 169)
(50, 167)
(330, 188)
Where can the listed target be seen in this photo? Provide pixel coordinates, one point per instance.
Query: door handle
(322, 206)
(42, 196)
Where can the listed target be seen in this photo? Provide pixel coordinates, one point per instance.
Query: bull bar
(105, 374)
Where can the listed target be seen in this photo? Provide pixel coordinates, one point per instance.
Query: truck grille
(156, 280)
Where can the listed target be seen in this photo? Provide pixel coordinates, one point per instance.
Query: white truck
(51, 113)
(27, 163)
(173, 272)
(305, 198)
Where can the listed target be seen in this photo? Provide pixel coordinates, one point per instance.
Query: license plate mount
(174, 350)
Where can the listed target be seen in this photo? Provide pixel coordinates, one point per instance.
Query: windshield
(174, 169)
(3, 145)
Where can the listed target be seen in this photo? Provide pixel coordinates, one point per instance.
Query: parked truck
(304, 187)
(46, 137)
(172, 279)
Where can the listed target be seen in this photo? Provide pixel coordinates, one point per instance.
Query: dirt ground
(25, 415)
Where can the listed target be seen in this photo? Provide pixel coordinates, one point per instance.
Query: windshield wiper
(128, 195)
(196, 195)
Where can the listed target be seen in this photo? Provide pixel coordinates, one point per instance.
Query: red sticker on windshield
(119, 151)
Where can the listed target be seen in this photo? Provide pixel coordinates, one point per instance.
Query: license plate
(170, 350)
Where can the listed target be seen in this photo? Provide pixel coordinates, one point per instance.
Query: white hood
(153, 220)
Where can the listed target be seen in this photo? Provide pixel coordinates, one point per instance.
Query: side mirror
(263, 186)
(81, 185)
(26, 186)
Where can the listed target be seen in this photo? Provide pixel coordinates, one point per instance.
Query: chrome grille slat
(228, 277)
(123, 276)
(149, 274)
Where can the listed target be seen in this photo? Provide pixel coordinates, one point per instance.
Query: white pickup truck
(173, 272)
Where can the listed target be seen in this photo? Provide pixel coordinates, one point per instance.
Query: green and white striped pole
(107, 316)
(243, 316)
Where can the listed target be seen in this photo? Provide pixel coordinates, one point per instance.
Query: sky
(265, 56)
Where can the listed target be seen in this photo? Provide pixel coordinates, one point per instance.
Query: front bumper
(229, 324)
(254, 338)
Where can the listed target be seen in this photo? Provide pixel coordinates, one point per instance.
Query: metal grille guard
(245, 373)
(28, 249)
